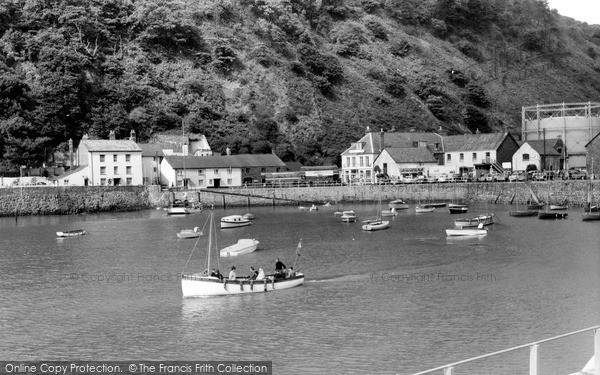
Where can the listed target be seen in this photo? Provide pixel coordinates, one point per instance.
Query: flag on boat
(299, 247)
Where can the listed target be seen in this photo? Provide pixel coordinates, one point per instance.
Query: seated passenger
(261, 274)
(253, 274)
(290, 273)
(232, 275)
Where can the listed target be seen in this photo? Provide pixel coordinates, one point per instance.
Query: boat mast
(210, 230)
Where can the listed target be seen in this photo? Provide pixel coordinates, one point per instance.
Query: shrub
(458, 78)
(477, 96)
(370, 6)
(400, 48)
(377, 74)
(395, 85)
(440, 29)
(377, 29)
(469, 49)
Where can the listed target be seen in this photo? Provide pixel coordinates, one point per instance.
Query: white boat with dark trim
(348, 216)
(243, 246)
(204, 285)
(390, 212)
(71, 233)
(190, 233)
(234, 221)
(398, 204)
(479, 231)
(472, 222)
(421, 210)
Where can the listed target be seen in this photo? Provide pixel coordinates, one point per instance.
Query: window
(229, 170)
(449, 157)
(66, 182)
(263, 170)
(129, 180)
(437, 146)
(354, 161)
(347, 161)
(360, 161)
(474, 156)
(461, 157)
(200, 182)
(229, 181)
(128, 157)
(210, 182)
(102, 170)
(525, 157)
(153, 169)
(116, 171)
(487, 155)
(216, 171)
(128, 169)
(115, 158)
(415, 144)
(102, 158)
(103, 181)
(247, 170)
(200, 172)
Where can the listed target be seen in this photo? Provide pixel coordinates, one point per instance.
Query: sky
(581, 10)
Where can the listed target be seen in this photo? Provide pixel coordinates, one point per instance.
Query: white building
(544, 155)
(105, 162)
(400, 163)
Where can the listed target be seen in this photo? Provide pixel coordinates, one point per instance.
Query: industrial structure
(575, 123)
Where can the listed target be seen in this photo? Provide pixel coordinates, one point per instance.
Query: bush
(395, 85)
(377, 74)
(458, 78)
(400, 48)
(440, 29)
(477, 96)
(470, 50)
(377, 29)
(370, 6)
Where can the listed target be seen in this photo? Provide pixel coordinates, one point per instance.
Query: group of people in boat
(281, 272)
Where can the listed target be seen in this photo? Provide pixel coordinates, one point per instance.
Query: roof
(293, 166)
(411, 155)
(97, 145)
(68, 173)
(372, 141)
(151, 149)
(225, 161)
(538, 146)
(474, 142)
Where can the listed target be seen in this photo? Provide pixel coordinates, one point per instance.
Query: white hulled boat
(243, 246)
(203, 285)
(234, 221)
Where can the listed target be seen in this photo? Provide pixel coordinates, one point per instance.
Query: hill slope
(302, 78)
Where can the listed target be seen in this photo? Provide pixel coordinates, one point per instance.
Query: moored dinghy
(234, 221)
(243, 246)
(71, 233)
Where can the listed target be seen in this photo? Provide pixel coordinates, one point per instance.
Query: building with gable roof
(358, 160)
(185, 144)
(545, 155)
(478, 153)
(217, 171)
(102, 162)
(401, 163)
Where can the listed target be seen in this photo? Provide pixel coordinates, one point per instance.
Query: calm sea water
(396, 301)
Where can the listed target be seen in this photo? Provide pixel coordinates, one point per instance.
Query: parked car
(517, 176)
(578, 174)
(442, 178)
(502, 177)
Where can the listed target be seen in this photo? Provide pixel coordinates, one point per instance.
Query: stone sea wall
(72, 200)
(79, 199)
(574, 192)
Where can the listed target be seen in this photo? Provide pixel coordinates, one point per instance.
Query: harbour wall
(79, 199)
(573, 192)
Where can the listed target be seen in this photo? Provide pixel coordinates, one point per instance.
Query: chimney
(382, 140)
(71, 153)
(111, 135)
(228, 151)
(132, 135)
(368, 129)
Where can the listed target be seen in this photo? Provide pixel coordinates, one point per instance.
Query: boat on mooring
(458, 208)
(398, 204)
(348, 216)
(190, 233)
(214, 284)
(473, 222)
(243, 246)
(234, 221)
(423, 209)
(71, 233)
(479, 231)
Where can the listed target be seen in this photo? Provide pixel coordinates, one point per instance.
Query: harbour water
(396, 301)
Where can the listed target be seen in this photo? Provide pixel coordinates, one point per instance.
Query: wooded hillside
(302, 78)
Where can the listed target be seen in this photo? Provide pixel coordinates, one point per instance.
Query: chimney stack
(132, 135)
(382, 140)
(111, 135)
(228, 151)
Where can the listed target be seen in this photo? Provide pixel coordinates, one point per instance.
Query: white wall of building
(524, 156)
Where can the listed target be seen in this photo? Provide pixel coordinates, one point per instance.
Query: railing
(533, 354)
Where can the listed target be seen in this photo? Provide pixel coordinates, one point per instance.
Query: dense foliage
(301, 78)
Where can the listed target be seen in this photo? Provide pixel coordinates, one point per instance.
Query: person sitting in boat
(253, 274)
(290, 273)
(261, 274)
(232, 275)
(279, 268)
